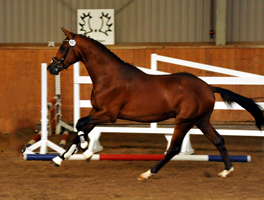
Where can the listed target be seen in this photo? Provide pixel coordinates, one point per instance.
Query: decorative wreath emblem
(104, 28)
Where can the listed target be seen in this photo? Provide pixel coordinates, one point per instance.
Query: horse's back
(173, 84)
(164, 96)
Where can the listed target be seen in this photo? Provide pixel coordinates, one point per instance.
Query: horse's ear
(66, 32)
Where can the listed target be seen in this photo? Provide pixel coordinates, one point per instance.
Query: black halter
(60, 63)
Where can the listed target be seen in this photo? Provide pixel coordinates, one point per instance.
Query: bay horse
(122, 91)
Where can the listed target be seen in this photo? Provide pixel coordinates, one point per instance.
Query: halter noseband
(60, 65)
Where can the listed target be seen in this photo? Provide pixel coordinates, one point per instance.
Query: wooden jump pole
(141, 157)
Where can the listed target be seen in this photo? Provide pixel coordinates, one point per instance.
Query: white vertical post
(186, 148)
(58, 104)
(44, 109)
(153, 125)
(76, 93)
(154, 67)
(57, 84)
(154, 64)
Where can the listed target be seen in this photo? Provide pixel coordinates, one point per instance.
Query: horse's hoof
(56, 161)
(88, 160)
(145, 176)
(54, 164)
(224, 173)
(88, 155)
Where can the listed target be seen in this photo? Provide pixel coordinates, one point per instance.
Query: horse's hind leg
(208, 130)
(180, 131)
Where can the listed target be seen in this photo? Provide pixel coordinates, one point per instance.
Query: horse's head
(66, 54)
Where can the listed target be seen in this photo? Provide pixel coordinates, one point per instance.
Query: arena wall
(38, 21)
(20, 78)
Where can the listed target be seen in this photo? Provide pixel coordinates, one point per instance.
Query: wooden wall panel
(20, 79)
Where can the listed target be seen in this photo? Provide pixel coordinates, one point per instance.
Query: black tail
(255, 110)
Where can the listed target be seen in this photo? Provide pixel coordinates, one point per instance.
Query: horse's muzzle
(53, 69)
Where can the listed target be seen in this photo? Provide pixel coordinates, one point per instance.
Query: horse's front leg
(81, 139)
(84, 127)
(83, 130)
(102, 116)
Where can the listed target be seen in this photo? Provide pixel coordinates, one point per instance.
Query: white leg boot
(83, 142)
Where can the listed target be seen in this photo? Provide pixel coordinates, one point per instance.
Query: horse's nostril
(49, 68)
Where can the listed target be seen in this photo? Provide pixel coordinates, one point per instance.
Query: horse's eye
(62, 48)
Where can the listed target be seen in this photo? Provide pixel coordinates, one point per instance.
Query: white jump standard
(44, 143)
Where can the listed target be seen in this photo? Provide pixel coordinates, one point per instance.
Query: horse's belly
(143, 114)
(145, 118)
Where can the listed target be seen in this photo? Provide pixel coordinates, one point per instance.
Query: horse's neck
(104, 67)
(101, 66)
